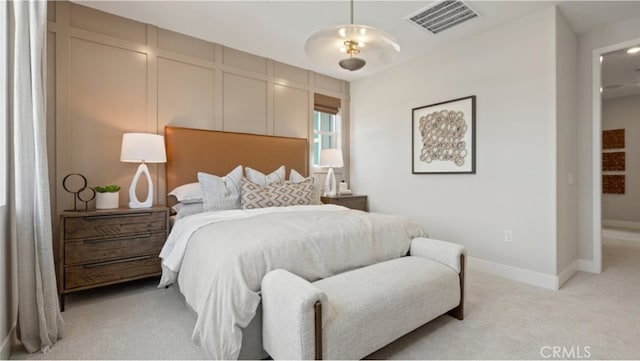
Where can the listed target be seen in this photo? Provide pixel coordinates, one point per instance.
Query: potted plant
(107, 197)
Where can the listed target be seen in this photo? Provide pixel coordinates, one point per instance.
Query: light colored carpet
(503, 320)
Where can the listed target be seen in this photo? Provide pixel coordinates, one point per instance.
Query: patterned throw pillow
(259, 178)
(276, 195)
(220, 193)
(295, 177)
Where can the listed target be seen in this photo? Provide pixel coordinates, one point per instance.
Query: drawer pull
(93, 265)
(93, 218)
(121, 238)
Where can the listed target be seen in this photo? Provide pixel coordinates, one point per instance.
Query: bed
(218, 258)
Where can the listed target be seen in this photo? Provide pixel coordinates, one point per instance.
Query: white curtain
(40, 323)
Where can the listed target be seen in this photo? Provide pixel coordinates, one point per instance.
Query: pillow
(220, 193)
(187, 193)
(186, 209)
(295, 177)
(276, 195)
(277, 176)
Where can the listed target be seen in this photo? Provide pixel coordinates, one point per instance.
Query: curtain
(40, 323)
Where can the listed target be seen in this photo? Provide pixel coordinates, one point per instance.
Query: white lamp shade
(143, 147)
(331, 158)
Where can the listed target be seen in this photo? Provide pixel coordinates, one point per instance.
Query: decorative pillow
(186, 209)
(277, 176)
(295, 177)
(276, 195)
(220, 193)
(187, 193)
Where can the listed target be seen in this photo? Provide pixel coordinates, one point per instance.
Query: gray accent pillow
(220, 193)
(295, 177)
(276, 195)
(259, 178)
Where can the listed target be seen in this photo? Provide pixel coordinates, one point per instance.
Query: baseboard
(621, 224)
(5, 348)
(586, 265)
(567, 273)
(624, 234)
(515, 273)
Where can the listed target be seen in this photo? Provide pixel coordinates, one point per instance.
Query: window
(326, 125)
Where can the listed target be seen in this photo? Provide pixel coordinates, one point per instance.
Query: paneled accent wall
(109, 75)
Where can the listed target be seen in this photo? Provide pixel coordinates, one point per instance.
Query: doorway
(616, 74)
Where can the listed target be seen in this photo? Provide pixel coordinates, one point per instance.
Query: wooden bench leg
(318, 323)
(458, 312)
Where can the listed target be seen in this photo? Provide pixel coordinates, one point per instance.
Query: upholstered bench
(352, 314)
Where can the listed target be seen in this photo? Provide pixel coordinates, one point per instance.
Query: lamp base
(134, 202)
(330, 183)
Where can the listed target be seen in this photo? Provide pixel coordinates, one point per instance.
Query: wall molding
(522, 275)
(627, 235)
(621, 224)
(5, 348)
(586, 265)
(567, 273)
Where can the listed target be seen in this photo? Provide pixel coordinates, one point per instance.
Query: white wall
(567, 146)
(587, 43)
(624, 113)
(511, 70)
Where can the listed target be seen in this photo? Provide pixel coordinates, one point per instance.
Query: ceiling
(620, 74)
(279, 29)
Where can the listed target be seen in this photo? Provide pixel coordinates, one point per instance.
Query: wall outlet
(508, 236)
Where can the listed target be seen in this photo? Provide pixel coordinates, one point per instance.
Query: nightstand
(350, 201)
(103, 247)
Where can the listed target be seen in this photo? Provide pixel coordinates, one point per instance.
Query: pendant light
(352, 46)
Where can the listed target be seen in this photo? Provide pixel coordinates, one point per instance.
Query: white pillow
(220, 193)
(186, 209)
(295, 177)
(187, 193)
(277, 176)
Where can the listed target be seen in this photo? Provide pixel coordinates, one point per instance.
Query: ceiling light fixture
(328, 46)
(633, 50)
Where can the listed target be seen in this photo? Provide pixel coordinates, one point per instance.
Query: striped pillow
(275, 195)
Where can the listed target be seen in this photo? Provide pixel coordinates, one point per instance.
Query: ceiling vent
(442, 16)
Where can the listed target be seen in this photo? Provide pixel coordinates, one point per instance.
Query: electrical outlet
(508, 236)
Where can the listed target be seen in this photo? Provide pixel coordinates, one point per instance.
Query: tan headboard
(190, 151)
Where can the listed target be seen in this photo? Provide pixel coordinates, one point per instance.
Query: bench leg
(318, 323)
(458, 312)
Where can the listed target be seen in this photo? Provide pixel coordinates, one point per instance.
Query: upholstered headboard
(190, 151)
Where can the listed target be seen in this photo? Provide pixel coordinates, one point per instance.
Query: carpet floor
(592, 316)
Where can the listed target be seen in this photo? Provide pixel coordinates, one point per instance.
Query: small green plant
(112, 188)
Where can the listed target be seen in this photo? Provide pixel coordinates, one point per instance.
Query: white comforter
(220, 258)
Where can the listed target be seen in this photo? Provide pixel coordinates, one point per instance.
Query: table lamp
(331, 158)
(142, 148)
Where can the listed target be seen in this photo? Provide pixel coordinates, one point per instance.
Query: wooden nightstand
(99, 248)
(350, 201)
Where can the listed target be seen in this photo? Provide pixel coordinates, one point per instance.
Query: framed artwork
(444, 137)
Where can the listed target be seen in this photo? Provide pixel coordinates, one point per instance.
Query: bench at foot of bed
(352, 314)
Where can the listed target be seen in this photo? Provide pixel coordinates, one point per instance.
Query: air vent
(442, 16)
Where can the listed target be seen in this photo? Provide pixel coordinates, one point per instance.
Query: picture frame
(443, 137)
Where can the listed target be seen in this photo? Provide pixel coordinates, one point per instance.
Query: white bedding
(221, 257)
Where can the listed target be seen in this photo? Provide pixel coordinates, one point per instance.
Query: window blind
(326, 104)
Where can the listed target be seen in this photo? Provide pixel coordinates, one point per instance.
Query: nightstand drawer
(102, 249)
(111, 272)
(100, 226)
